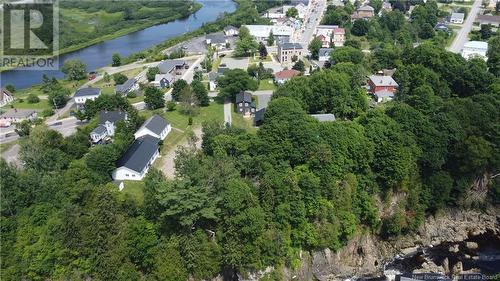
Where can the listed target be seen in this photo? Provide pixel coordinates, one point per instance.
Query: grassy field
(267, 84)
(215, 111)
(134, 189)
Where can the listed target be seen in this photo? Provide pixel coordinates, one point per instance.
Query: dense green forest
(81, 22)
(248, 200)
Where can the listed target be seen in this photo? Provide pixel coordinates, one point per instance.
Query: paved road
(314, 18)
(227, 112)
(65, 126)
(264, 97)
(463, 34)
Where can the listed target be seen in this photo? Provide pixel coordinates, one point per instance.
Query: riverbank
(134, 28)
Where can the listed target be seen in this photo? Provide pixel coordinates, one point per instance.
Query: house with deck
(382, 87)
(107, 125)
(174, 67)
(17, 115)
(245, 105)
(163, 80)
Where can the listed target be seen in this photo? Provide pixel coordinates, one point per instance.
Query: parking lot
(233, 63)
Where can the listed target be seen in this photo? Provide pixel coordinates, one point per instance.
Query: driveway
(263, 97)
(168, 164)
(227, 112)
(463, 34)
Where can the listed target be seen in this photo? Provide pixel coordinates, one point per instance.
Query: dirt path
(167, 160)
(11, 155)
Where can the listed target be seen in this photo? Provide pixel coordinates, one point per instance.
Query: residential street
(227, 112)
(66, 127)
(463, 34)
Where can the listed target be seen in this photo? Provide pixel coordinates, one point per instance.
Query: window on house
(241, 109)
(133, 175)
(127, 175)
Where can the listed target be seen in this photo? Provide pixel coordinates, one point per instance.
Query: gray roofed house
(324, 54)
(382, 80)
(457, 18)
(212, 80)
(216, 39)
(243, 97)
(87, 92)
(163, 80)
(139, 155)
(328, 117)
(230, 30)
(111, 116)
(99, 130)
(128, 86)
(155, 126)
(15, 115)
(384, 95)
(488, 19)
(168, 66)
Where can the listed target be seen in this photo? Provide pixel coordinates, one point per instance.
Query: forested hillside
(249, 200)
(82, 22)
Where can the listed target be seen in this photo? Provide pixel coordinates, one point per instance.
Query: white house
(230, 31)
(155, 126)
(217, 40)
(475, 49)
(212, 80)
(136, 161)
(457, 18)
(261, 32)
(16, 115)
(106, 128)
(129, 86)
(6, 97)
(331, 34)
(84, 94)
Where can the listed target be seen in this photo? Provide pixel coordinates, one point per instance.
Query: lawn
(134, 189)
(257, 59)
(41, 105)
(214, 111)
(267, 84)
(238, 121)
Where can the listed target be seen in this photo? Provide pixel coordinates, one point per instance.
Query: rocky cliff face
(366, 255)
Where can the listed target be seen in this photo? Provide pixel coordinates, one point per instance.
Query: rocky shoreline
(448, 243)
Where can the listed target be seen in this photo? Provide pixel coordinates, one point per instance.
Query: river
(99, 55)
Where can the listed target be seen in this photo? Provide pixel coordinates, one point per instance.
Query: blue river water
(99, 55)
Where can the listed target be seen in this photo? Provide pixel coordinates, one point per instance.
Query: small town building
(136, 161)
(107, 125)
(16, 115)
(262, 32)
(327, 117)
(330, 34)
(163, 80)
(282, 76)
(382, 82)
(173, 67)
(363, 12)
(386, 6)
(222, 68)
(457, 18)
(259, 117)
(488, 19)
(230, 31)
(287, 52)
(324, 54)
(475, 49)
(84, 94)
(383, 96)
(212, 80)
(442, 26)
(218, 41)
(155, 126)
(129, 86)
(6, 97)
(244, 104)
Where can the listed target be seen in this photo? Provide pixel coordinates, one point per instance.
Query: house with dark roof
(107, 125)
(212, 80)
(217, 40)
(324, 54)
(457, 18)
(155, 126)
(282, 76)
(84, 94)
(129, 86)
(163, 80)
(172, 66)
(6, 97)
(488, 19)
(442, 26)
(16, 115)
(363, 12)
(245, 105)
(230, 31)
(222, 68)
(287, 52)
(136, 161)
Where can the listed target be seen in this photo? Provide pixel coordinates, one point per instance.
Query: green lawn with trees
(248, 200)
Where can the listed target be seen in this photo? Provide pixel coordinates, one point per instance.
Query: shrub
(131, 95)
(32, 98)
(171, 105)
(47, 112)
